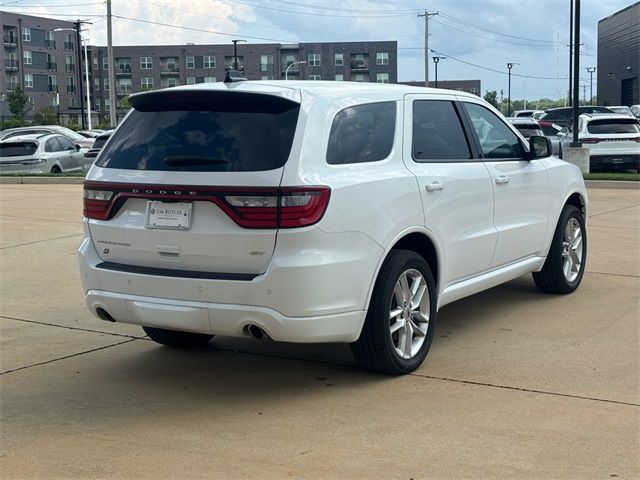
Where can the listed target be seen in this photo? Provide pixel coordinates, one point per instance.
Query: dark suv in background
(562, 117)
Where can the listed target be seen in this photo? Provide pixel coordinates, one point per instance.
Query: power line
(352, 10)
(57, 6)
(360, 16)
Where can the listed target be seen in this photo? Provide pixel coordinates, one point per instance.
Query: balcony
(359, 66)
(71, 89)
(50, 43)
(123, 69)
(68, 45)
(10, 40)
(53, 88)
(69, 68)
(169, 69)
(10, 64)
(52, 66)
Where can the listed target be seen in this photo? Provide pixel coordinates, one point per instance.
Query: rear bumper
(223, 319)
(614, 161)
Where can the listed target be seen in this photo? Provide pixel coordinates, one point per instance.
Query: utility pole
(570, 49)
(436, 61)
(235, 53)
(591, 70)
(78, 24)
(427, 16)
(113, 107)
(576, 79)
(509, 67)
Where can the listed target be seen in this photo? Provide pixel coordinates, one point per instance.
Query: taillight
(290, 207)
(637, 139)
(97, 203)
(590, 140)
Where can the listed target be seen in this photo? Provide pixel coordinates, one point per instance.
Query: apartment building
(41, 60)
(139, 68)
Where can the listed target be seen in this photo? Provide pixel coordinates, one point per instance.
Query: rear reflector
(249, 207)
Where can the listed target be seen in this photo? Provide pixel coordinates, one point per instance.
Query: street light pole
(436, 60)
(591, 70)
(235, 53)
(286, 71)
(510, 65)
(86, 82)
(79, 44)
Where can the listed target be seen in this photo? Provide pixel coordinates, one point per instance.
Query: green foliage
(629, 177)
(74, 126)
(13, 123)
(18, 103)
(46, 116)
(491, 96)
(124, 103)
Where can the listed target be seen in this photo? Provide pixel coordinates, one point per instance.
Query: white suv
(320, 212)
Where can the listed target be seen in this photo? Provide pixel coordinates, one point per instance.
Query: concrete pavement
(518, 384)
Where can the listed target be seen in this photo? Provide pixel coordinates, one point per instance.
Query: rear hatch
(613, 136)
(19, 156)
(190, 182)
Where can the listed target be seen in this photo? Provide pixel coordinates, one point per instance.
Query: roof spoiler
(231, 76)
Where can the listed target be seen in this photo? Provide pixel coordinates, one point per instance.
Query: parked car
(527, 126)
(555, 119)
(613, 141)
(318, 212)
(635, 109)
(75, 137)
(91, 154)
(624, 110)
(40, 153)
(90, 133)
(536, 114)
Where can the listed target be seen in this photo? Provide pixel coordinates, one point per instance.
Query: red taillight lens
(249, 207)
(637, 139)
(97, 203)
(590, 140)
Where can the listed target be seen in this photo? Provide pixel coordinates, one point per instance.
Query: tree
(18, 103)
(46, 116)
(491, 96)
(124, 103)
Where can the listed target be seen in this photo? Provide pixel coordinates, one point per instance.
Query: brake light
(637, 139)
(290, 207)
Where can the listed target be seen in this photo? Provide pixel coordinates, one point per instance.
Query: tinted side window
(66, 144)
(496, 139)
(52, 145)
(437, 132)
(363, 133)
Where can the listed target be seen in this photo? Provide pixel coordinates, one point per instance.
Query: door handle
(502, 179)
(434, 187)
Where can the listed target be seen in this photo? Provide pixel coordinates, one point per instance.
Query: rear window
(613, 126)
(18, 149)
(527, 130)
(363, 133)
(204, 132)
(100, 141)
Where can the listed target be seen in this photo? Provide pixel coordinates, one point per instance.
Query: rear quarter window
(18, 149)
(362, 133)
(204, 132)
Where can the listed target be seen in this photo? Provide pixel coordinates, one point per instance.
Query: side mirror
(78, 147)
(539, 147)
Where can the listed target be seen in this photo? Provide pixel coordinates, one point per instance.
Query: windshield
(613, 126)
(204, 132)
(18, 149)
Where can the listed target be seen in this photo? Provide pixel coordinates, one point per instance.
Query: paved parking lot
(518, 384)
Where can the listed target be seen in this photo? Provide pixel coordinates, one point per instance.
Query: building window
(339, 59)
(209, 62)
(96, 103)
(382, 58)
(339, 77)
(28, 59)
(146, 83)
(95, 63)
(52, 83)
(96, 83)
(209, 79)
(266, 77)
(266, 63)
(107, 105)
(191, 80)
(474, 91)
(191, 62)
(105, 63)
(168, 82)
(105, 82)
(123, 65)
(146, 63)
(53, 102)
(68, 42)
(72, 102)
(358, 77)
(314, 60)
(26, 34)
(229, 62)
(382, 78)
(315, 77)
(70, 86)
(28, 80)
(68, 63)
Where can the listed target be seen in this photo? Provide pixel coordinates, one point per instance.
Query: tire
(563, 270)
(378, 348)
(175, 339)
(56, 170)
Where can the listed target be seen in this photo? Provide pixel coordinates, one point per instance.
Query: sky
(479, 37)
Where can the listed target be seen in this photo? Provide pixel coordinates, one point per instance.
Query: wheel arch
(419, 240)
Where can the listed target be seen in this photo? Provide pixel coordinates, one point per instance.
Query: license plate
(170, 216)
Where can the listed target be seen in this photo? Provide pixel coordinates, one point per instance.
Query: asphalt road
(518, 384)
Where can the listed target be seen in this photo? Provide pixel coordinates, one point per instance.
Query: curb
(612, 184)
(41, 180)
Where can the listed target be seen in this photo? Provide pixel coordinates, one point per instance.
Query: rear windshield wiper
(185, 160)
